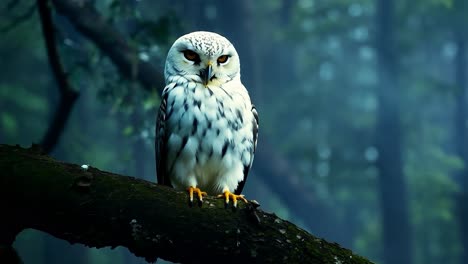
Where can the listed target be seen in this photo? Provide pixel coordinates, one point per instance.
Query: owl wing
(161, 142)
(240, 187)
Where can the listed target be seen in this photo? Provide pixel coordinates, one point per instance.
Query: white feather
(208, 143)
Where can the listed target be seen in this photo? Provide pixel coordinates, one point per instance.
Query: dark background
(362, 108)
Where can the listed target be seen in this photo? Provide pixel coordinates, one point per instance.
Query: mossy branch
(99, 209)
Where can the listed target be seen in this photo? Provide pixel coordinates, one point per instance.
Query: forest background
(362, 106)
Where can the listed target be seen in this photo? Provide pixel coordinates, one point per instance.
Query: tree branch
(101, 209)
(17, 20)
(68, 96)
(115, 45)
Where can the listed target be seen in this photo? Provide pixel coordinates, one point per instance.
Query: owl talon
(227, 195)
(199, 193)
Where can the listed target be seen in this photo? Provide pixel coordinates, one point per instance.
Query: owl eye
(191, 55)
(222, 59)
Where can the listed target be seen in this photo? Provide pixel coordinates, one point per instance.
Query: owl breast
(210, 139)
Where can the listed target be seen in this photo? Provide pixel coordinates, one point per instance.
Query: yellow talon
(229, 195)
(200, 194)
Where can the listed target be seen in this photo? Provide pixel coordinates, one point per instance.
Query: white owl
(206, 131)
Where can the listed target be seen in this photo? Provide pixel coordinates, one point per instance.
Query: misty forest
(363, 138)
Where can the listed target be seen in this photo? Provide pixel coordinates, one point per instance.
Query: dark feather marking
(234, 125)
(255, 126)
(179, 125)
(184, 142)
(160, 142)
(239, 115)
(194, 126)
(226, 92)
(163, 104)
(220, 112)
(171, 109)
(197, 103)
(179, 71)
(225, 147)
(247, 167)
(241, 184)
(211, 92)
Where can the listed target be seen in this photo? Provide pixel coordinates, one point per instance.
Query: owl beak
(207, 74)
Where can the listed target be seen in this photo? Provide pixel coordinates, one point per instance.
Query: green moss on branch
(99, 209)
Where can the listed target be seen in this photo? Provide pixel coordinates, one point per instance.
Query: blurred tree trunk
(396, 229)
(461, 118)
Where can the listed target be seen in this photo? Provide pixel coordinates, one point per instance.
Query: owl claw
(228, 195)
(199, 193)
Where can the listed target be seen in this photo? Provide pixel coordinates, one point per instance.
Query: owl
(207, 127)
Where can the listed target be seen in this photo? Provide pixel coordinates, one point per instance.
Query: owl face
(203, 57)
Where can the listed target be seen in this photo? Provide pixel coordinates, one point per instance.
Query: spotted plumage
(207, 126)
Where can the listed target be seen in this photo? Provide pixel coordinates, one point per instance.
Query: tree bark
(101, 209)
(392, 187)
(68, 95)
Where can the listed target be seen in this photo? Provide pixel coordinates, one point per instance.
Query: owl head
(204, 57)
